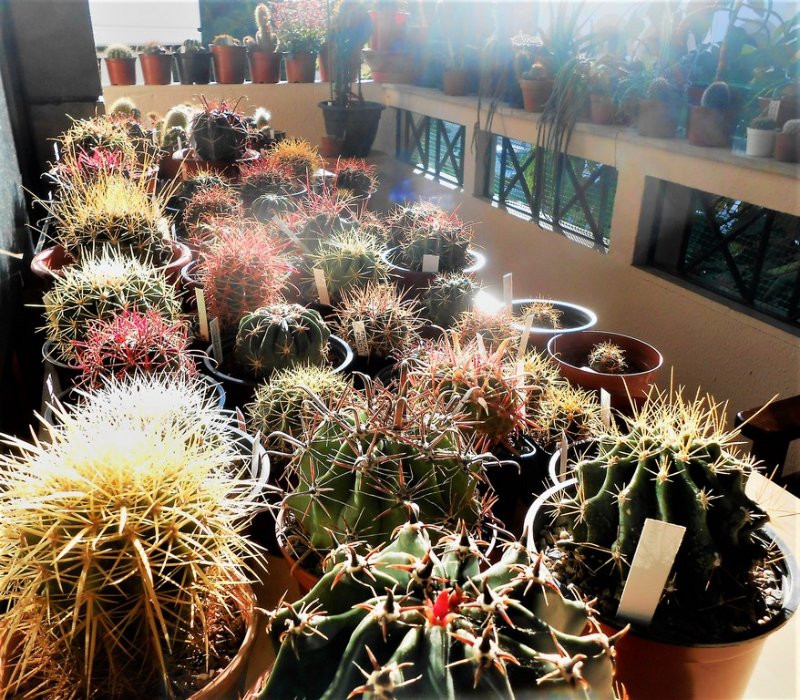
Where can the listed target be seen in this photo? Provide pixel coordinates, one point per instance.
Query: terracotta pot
(416, 282)
(657, 119)
(300, 66)
(455, 83)
(331, 146)
(156, 68)
(787, 147)
(602, 109)
(265, 67)
(388, 29)
(710, 128)
(694, 93)
(572, 318)
(570, 351)
(685, 671)
(121, 71)
(760, 142)
(194, 68)
(397, 67)
(788, 108)
(190, 164)
(535, 93)
(229, 64)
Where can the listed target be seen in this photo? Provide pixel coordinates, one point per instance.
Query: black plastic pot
(194, 68)
(508, 482)
(356, 124)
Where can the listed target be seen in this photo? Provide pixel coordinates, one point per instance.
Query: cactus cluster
(361, 462)
(218, 133)
(447, 297)
(675, 462)
(391, 321)
(422, 620)
(608, 358)
(119, 539)
(133, 341)
(278, 337)
(99, 288)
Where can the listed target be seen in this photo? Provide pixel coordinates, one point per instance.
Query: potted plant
(194, 63)
(355, 179)
(389, 56)
(623, 365)
(121, 64)
(156, 64)
(787, 142)
(658, 111)
(174, 135)
(262, 50)
(761, 137)
(675, 462)
(347, 114)
(435, 620)
(206, 212)
(133, 614)
(550, 317)
(447, 297)
(299, 156)
(456, 53)
(603, 80)
(711, 122)
(230, 59)
(301, 30)
(268, 176)
(533, 65)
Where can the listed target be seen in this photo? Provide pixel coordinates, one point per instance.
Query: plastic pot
(455, 83)
(760, 142)
(416, 282)
(265, 66)
(657, 119)
(121, 71)
(356, 125)
(535, 93)
(229, 64)
(156, 68)
(194, 68)
(571, 352)
(301, 66)
(787, 147)
(709, 128)
(572, 318)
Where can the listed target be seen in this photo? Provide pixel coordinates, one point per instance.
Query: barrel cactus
(447, 297)
(495, 327)
(266, 176)
(608, 358)
(422, 620)
(218, 133)
(280, 336)
(676, 463)
(302, 159)
(717, 96)
(562, 409)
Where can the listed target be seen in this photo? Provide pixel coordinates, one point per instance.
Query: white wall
(138, 22)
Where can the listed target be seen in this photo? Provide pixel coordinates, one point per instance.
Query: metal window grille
(579, 205)
(434, 146)
(733, 248)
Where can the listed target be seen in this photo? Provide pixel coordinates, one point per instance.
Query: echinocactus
(608, 358)
(495, 327)
(283, 403)
(278, 337)
(540, 373)
(218, 133)
(266, 176)
(122, 545)
(717, 96)
(543, 315)
(355, 176)
(418, 619)
(205, 205)
(447, 297)
(225, 40)
(299, 156)
(133, 341)
(564, 409)
(116, 51)
(98, 133)
(674, 462)
(319, 217)
(99, 288)
(390, 321)
(268, 206)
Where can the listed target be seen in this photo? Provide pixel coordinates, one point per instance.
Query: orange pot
(787, 147)
(229, 64)
(121, 71)
(535, 93)
(265, 67)
(602, 109)
(454, 82)
(300, 66)
(156, 68)
(711, 128)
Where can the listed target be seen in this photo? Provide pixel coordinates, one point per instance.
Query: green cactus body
(280, 336)
(218, 133)
(418, 619)
(717, 96)
(266, 39)
(447, 297)
(452, 253)
(267, 206)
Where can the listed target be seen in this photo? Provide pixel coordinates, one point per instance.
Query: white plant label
(51, 392)
(172, 231)
(180, 143)
(508, 293)
(430, 263)
(774, 106)
(271, 134)
(202, 314)
(652, 561)
(322, 287)
(605, 408)
(290, 234)
(255, 457)
(562, 465)
(216, 340)
(523, 341)
(240, 420)
(360, 335)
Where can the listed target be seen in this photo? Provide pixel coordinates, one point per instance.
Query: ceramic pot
(300, 66)
(572, 318)
(194, 68)
(710, 128)
(602, 109)
(455, 83)
(265, 67)
(156, 68)
(416, 282)
(570, 351)
(229, 64)
(535, 93)
(657, 119)
(121, 71)
(787, 147)
(760, 142)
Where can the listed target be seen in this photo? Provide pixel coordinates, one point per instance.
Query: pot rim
(605, 335)
(790, 580)
(478, 262)
(590, 315)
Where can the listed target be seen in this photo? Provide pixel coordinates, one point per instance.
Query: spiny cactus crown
(266, 39)
(218, 133)
(266, 176)
(126, 107)
(608, 357)
(763, 124)
(564, 409)
(447, 297)
(206, 205)
(119, 51)
(97, 133)
(545, 315)
(494, 327)
(661, 90)
(299, 156)
(791, 126)
(225, 40)
(355, 175)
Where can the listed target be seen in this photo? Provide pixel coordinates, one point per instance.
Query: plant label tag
(652, 561)
(180, 143)
(51, 392)
(774, 107)
(172, 231)
(523, 341)
(216, 340)
(240, 422)
(562, 464)
(508, 294)
(605, 408)
(271, 134)
(202, 314)
(291, 235)
(322, 288)
(255, 456)
(430, 263)
(360, 335)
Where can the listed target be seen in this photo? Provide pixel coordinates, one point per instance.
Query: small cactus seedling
(125, 107)
(218, 133)
(390, 321)
(564, 409)
(717, 96)
(278, 337)
(99, 288)
(355, 176)
(608, 358)
(494, 327)
(282, 405)
(540, 374)
(422, 620)
(133, 341)
(302, 159)
(449, 296)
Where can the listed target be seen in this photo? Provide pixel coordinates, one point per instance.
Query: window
(434, 146)
(579, 205)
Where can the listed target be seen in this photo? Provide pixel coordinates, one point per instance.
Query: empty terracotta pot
(535, 93)
(602, 109)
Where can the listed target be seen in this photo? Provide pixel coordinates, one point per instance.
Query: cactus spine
(608, 358)
(218, 133)
(448, 296)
